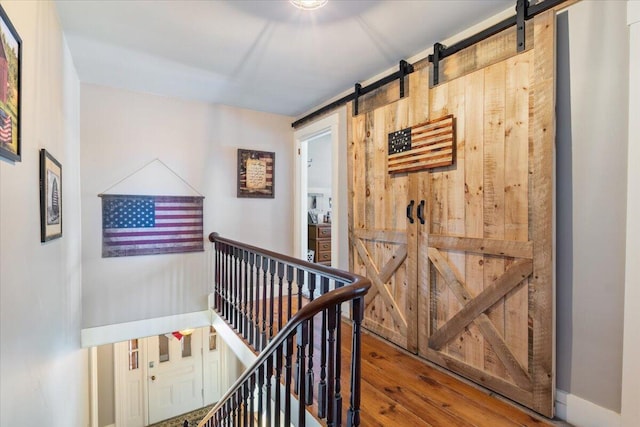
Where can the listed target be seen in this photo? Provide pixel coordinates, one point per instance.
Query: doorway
(163, 376)
(318, 199)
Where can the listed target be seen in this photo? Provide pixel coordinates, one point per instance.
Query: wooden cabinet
(319, 241)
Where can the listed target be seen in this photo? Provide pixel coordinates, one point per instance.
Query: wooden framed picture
(256, 173)
(10, 71)
(50, 197)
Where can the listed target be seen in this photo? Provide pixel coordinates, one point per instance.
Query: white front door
(129, 383)
(214, 384)
(174, 375)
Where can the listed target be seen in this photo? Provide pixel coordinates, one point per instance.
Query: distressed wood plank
(455, 283)
(387, 271)
(389, 236)
(483, 246)
(516, 200)
(482, 302)
(474, 196)
(543, 123)
(493, 203)
(373, 274)
(350, 183)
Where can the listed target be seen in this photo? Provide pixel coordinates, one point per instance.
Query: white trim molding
(108, 334)
(582, 413)
(630, 405)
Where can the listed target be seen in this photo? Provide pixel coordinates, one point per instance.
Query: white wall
(121, 132)
(319, 169)
(631, 359)
(43, 369)
(591, 200)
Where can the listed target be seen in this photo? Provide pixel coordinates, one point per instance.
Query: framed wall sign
(256, 173)
(10, 70)
(50, 197)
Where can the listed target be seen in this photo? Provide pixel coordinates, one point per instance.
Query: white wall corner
(582, 413)
(633, 12)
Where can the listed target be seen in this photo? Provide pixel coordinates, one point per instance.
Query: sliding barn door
(471, 289)
(488, 290)
(380, 229)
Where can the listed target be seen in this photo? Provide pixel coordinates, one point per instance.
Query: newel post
(357, 313)
(216, 281)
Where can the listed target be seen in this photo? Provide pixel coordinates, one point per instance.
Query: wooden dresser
(320, 242)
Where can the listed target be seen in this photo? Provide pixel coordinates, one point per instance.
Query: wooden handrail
(234, 285)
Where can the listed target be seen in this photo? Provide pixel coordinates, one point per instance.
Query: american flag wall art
(146, 225)
(423, 146)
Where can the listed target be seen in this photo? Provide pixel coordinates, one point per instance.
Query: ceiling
(260, 55)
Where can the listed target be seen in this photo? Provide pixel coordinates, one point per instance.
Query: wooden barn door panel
(471, 289)
(380, 227)
(488, 285)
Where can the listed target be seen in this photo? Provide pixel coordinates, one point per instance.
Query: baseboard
(582, 413)
(99, 335)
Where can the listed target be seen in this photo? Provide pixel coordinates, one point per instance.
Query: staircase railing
(291, 312)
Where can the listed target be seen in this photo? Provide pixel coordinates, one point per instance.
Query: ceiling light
(308, 4)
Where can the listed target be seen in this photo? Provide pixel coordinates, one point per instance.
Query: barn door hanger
(524, 12)
(404, 69)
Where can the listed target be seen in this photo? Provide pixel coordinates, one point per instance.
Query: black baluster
(300, 286)
(216, 280)
(322, 385)
(229, 285)
(287, 381)
(310, 378)
(302, 335)
(272, 276)
(245, 295)
(257, 304)
(280, 276)
(252, 385)
(234, 290)
(278, 387)
(338, 388)
(234, 407)
(245, 407)
(269, 374)
(250, 297)
(260, 393)
(331, 359)
(265, 267)
(289, 291)
(353, 415)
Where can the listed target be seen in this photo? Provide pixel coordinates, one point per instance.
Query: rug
(193, 418)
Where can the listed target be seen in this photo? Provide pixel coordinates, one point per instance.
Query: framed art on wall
(50, 197)
(256, 173)
(10, 70)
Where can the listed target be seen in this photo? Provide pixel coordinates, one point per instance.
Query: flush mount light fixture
(308, 4)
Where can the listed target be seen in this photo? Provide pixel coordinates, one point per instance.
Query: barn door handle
(421, 212)
(410, 211)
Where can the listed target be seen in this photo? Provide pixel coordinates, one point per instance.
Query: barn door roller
(524, 12)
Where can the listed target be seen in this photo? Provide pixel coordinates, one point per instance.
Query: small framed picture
(50, 197)
(256, 173)
(10, 72)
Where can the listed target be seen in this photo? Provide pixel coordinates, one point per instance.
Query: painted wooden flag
(424, 146)
(145, 225)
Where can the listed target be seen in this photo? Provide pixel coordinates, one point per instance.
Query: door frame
(301, 138)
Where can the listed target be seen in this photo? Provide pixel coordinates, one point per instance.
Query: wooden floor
(399, 389)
